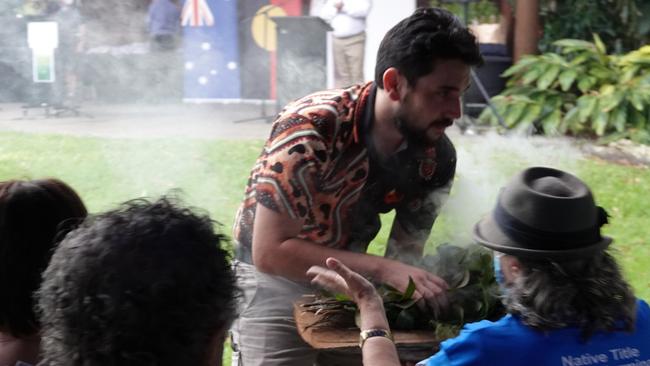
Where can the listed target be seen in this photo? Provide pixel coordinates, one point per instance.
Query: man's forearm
(377, 350)
(293, 257)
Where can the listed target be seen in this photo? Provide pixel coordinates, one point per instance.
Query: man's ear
(392, 83)
(511, 267)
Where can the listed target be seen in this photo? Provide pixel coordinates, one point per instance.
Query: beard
(419, 136)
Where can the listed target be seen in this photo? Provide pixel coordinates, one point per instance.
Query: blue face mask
(498, 273)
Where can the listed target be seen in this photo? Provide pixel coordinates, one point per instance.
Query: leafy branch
(473, 295)
(581, 91)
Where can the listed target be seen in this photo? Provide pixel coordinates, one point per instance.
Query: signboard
(43, 39)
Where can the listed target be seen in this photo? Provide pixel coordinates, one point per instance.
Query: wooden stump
(413, 345)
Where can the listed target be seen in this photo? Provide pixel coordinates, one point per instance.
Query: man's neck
(385, 135)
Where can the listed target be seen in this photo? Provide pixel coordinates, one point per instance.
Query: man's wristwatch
(369, 333)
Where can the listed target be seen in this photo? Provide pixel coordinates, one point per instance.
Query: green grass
(212, 174)
(105, 172)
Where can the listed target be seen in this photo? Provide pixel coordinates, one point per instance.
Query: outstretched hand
(337, 277)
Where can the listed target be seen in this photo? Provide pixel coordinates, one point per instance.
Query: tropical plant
(581, 91)
(623, 25)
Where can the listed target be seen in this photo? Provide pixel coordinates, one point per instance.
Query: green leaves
(586, 106)
(600, 46)
(519, 66)
(580, 90)
(473, 295)
(551, 122)
(586, 83)
(410, 290)
(548, 77)
(533, 73)
(619, 118)
(570, 45)
(567, 78)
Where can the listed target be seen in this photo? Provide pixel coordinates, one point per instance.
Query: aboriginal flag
(257, 40)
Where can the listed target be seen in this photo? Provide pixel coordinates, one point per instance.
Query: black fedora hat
(544, 213)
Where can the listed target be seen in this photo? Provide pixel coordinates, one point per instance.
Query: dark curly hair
(145, 284)
(415, 43)
(590, 294)
(34, 214)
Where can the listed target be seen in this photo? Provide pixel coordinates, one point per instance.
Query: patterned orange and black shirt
(318, 165)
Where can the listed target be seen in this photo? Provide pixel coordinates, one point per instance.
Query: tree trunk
(507, 22)
(527, 28)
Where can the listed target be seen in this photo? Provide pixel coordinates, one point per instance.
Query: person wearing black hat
(566, 299)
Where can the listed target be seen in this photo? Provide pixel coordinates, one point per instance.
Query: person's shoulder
(485, 328)
(643, 311)
(479, 335)
(471, 341)
(487, 325)
(326, 99)
(327, 112)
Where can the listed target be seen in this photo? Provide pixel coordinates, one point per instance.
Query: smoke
(485, 164)
(102, 56)
(299, 76)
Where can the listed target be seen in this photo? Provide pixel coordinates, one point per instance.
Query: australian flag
(211, 50)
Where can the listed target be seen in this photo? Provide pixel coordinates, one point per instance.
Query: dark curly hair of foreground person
(146, 284)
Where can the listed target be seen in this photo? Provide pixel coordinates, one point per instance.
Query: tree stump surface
(414, 345)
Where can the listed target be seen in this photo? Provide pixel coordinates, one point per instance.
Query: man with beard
(334, 162)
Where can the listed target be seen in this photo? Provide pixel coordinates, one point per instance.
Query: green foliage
(482, 11)
(473, 295)
(624, 25)
(473, 291)
(401, 308)
(580, 91)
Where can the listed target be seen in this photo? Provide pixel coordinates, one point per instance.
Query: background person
(334, 162)
(567, 301)
(34, 215)
(145, 284)
(348, 21)
(164, 71)
(164, 21)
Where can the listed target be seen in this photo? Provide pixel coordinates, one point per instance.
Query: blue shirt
(509, 342)
(164, 18)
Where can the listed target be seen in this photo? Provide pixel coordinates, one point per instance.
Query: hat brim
(488, 234)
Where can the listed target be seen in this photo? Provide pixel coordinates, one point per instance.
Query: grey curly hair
(590, 294)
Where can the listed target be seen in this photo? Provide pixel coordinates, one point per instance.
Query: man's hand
(429, 287)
